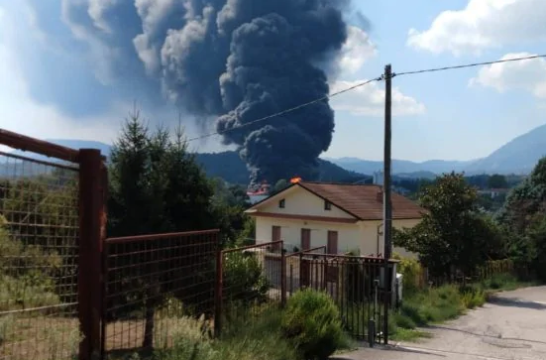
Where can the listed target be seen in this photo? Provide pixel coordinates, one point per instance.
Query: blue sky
(462, 114)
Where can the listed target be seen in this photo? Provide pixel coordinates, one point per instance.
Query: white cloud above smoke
(357, 50)
(369, 100)
(481, 25)
(526, 75)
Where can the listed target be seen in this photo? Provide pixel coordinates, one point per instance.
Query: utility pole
(387, 208)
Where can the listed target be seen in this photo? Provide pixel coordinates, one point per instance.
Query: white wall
(369, 231)
(348, 234)
(299, 201)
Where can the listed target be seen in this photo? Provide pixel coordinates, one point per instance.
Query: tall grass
(255, 337)
(436, 305)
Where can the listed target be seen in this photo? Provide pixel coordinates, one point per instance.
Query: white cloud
(369, 100)
(527, 75)
(357, 49)
(483, 24)
(21, 114)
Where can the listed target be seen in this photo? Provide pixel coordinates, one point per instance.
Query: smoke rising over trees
(229, 61)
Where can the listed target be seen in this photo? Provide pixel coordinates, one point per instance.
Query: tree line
(457, 236)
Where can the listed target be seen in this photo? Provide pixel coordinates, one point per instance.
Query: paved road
(512, 327)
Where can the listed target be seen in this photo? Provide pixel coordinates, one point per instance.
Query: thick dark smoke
(237, 61)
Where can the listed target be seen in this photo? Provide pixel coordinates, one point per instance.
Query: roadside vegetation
(309, 328)
(424, 305)
(468, 254)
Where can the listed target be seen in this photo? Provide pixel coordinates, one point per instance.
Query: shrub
(189, 341)
(6, 327)
(244, 278)
(26, 273)
(412, 275)
(473, 298)
(433, 305)
(255, 337)
(312, 323)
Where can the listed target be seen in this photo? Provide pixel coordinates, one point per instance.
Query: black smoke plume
(236, 61)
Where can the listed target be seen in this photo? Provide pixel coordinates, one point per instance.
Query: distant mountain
(74, 144)
(405, 167)
(226, 165)
(84, 144)
(229, 166)
(519, 156)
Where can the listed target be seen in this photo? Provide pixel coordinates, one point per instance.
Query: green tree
(280, 186)
(536, 242)
(155, 187)
(522, 216)
(452, 235)
(497, 181)
(229, 203)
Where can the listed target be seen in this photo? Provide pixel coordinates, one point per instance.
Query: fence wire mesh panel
(39, 233)
(154, 286)
(251, 276)
(356, 284)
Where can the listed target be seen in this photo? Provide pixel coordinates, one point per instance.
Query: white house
(341, 217)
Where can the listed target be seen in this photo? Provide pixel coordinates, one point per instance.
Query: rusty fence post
(104, 263)
(91, 207)
(283, 276)
(219, 283)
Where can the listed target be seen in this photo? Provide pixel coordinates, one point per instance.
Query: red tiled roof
(365, 202)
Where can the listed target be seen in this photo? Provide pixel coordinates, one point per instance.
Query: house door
(331, 269)
(305, 267)
(276, 236)
(305, 239)
(332, 245)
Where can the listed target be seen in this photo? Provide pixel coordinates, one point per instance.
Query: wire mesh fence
(251, 276)
(154, 285)
(39, 234)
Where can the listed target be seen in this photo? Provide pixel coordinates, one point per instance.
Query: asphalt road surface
(511, 327)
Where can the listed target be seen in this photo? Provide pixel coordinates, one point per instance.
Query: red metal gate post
(92, 228)
(219, 283)
(283, 276)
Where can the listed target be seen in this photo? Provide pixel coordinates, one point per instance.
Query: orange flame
(295, 180)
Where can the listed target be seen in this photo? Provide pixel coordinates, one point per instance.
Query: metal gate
(357, 285)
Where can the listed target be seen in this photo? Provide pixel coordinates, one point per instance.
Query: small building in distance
(342, 217)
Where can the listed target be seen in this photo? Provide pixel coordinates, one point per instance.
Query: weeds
(436, 305)
(254, 337)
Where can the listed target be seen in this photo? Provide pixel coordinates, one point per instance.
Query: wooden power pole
(387, 206)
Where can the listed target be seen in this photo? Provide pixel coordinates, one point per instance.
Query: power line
(351, 88)
(284, 112)
(414, 72)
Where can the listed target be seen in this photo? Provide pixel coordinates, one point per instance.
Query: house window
(282, 203)
(332, 246)
(327, 205)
